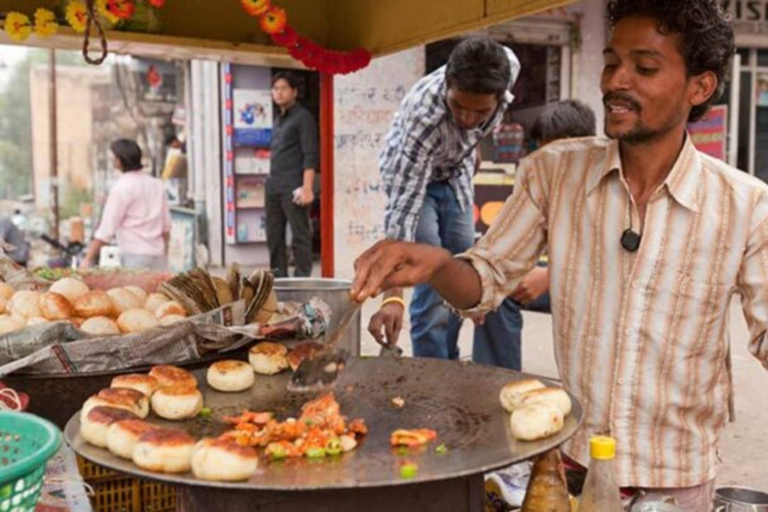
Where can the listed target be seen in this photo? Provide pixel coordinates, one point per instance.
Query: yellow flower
(77, 15)
(17, 26)
(108, 15)
(45, 23)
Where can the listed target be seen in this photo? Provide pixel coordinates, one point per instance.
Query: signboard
(749, 16)
(252, 110)
(710, 134)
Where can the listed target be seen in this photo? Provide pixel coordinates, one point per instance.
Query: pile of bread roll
(115, 419)
(537, 411)
(125, 310)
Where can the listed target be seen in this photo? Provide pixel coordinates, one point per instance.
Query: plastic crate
(114, 492)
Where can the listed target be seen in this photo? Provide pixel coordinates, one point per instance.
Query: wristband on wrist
(391, 300)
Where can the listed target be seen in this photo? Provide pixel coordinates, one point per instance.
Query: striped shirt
(424, 145)
(640, 338)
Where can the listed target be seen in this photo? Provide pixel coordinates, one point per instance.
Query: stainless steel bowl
(740, 499)
(332, 291)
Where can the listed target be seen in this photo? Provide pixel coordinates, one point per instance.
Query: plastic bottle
(601, 492)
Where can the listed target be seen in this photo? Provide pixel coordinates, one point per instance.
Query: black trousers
(280, 210)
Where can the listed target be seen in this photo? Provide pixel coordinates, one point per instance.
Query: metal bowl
(740, 499)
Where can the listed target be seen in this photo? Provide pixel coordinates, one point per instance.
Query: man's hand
(304, 197)
(390, 264)
(534, 285)
(390, 318)
(86, 264)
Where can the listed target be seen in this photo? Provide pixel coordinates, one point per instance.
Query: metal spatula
(322, 370)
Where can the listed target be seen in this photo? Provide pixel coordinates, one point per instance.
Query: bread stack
(125, 310)
(114, 419)
(537, 411)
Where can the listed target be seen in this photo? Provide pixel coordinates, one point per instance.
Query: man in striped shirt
(648, 241)
(427, 167)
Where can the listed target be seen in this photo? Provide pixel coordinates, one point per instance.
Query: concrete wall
(364, 105)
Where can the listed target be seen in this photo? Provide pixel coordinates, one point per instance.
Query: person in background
(294, 160)
(427, 167)
(498, 335)
(12, 241)
(136, 212)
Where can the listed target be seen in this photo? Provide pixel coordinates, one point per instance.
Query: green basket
(26, 444)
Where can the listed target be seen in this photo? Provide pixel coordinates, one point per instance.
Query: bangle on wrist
(390, 300)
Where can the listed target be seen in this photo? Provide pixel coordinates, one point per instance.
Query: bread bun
(536, 421)
(556, 397)
(177, 402)
(94, 303)
(37, 320)
(122, 398)
(9, 324)
(171, 319)
(268, 358)
(6, 291)
(25, 304)
(512, 393)
(54, 306)
(223, 461)
(301, 352)
(170, 308)
(154, 301)
(123, 300)
(69, 287)
(164, 450)
(122, 436)
(95, 425)
(169, 375)
(230, 376)
(140, 382)
(3, 303)
(100, 326)
(136, 320)
(77, 321)
(139, 292)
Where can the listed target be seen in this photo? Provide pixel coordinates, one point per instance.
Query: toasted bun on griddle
(95, 425)
(536, 421)
(123, 435)
(164, 450)
(177, 402)
(224, 461)
(122, 398)
(230, 376)
(268, 358)
(550, 396)
(512, 393)
(138, 381)
(168, 375)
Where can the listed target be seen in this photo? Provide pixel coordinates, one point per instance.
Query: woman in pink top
(136, 213)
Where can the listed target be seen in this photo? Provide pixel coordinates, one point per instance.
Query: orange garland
(274, 21)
